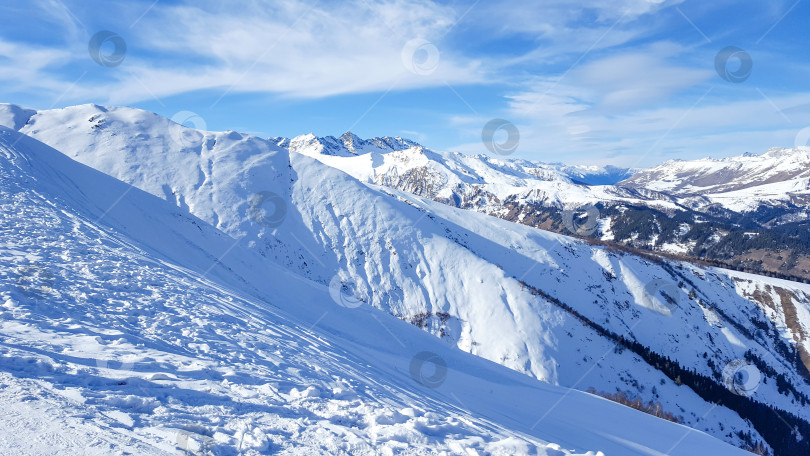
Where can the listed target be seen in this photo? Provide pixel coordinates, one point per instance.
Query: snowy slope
(130, 326)
(470, 279)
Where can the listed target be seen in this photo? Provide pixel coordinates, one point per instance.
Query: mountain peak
(351, 141)
(349, 136)
(781, 152)
(14, 116)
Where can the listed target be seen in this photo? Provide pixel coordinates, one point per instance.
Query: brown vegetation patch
(763, 298)
(792, 322)
(650, 408)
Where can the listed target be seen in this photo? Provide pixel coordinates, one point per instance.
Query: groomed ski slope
(130, 326)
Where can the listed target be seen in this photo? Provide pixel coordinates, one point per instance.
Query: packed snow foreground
(173, 311)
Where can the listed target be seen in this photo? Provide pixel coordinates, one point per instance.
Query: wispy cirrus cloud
(293, 48)
(303, 48)
(564, 127)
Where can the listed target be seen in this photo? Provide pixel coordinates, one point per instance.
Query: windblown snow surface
(216, 292)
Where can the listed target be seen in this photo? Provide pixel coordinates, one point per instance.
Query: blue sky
(624, 82)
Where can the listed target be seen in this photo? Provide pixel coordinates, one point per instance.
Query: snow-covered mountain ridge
(776, 176)
(542, 304)
(400, 163)
(739, 183)
(348, 144)
(768, 176)
(705, 209)
(709, 175)
(129, 326)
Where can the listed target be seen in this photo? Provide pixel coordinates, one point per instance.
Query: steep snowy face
(539, 303)
(130, 326)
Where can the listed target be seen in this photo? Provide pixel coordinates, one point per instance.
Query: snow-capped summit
(349, 144)
(14, 116)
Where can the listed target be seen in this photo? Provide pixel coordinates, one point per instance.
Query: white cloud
(24, 64)
(641, 106)
(557, 19)
(58, 13)
(635, 79)
(292, 48)
(610, 85)
(307, 49)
